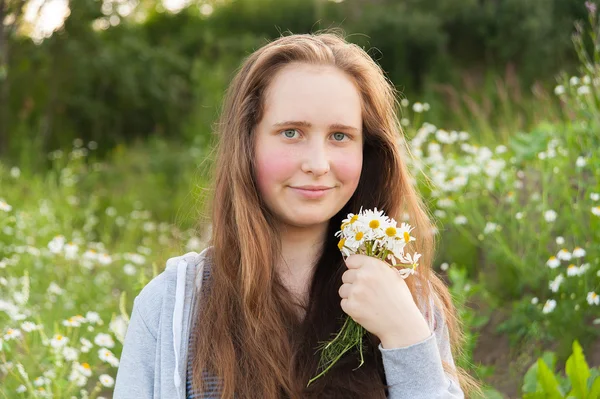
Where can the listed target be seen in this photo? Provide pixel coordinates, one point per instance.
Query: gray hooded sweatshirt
(154, 357)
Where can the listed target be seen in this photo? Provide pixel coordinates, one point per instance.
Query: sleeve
(135, 376)
(416, 371)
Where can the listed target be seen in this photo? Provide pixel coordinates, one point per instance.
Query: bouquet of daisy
(370, 233)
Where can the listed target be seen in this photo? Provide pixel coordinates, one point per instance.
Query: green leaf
(548, 381)
(595, 390)
(578, 371)
(530, 381)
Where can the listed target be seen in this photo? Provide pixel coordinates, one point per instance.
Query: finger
(344, 291)
(345, 305)
(355, 261)
(349, 276)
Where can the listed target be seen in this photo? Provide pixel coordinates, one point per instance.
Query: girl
(308, 133)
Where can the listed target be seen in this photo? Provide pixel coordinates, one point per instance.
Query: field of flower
(518, 218)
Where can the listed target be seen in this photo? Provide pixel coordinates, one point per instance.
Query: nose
(316, 159)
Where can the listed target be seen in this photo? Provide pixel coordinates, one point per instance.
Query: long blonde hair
(248, 334)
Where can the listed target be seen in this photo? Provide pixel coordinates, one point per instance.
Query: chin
(306, 220)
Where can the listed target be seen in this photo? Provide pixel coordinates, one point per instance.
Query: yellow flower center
(406, 237)
(552, 257)
(374, 224)
(59, 337)
(354, 219)
(85, 365)
(359, 236)
(390, 231)
(344, 225)
(341, 243)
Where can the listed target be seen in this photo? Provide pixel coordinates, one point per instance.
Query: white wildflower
(578, 252)
(460, 219)
(553, 262)
(58, 341)
(104, 340)
(549, 306)
(106, 380)
(550, 215)
(554, 285)
(563, 254)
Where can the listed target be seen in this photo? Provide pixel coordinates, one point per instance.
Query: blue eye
(286, 133)
(339, 136)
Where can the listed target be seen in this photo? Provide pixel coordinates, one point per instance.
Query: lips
(313, 188)
(311, 192)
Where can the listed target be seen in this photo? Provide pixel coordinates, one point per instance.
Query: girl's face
(309, 144)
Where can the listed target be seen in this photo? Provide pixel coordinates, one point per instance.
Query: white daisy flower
(104, 340)
(554, 285)
(534, 300)
(572, 270)
(460, 219)
(593, 298)
(578, 252)
(54, 289)
(90, 255)
(4, 206)
(29, 326)
(21, 388)
(490, 227)
(563, 254)
(560, 240)
(418, 107)
(71, 322)
(71, 250)
(553, 262)
(559, 90)
(92, 317)
(12, 333)
(519, 215)
(58, 341)
(104, 259)
(85, 345)
(108, 357)
(376, 221)
(550, 215)
(595, 196)
(581, 162)
(444, 266)
(596, 210)
(549, 306)
(129, 269)
(83, 369)
(40, 381)
(56, 245)
(106, 380)
(70, 354)
(582, 90)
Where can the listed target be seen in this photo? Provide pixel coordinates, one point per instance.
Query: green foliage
(580, 382)
(136, 79)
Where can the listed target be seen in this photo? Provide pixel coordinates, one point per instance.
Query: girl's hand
(376, 297)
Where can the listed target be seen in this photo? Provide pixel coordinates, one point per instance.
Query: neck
(300, 249)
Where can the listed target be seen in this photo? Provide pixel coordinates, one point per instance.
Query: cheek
(348, 168)
(272, 168)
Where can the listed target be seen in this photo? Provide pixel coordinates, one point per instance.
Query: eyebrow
(308, 124)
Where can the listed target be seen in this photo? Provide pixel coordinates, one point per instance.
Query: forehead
(319, 94)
